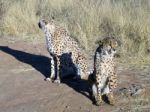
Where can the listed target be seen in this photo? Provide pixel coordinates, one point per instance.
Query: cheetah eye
(45, 22)
(113, 49)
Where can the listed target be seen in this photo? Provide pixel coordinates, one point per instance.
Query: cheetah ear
(100, 42)
(45, 21)
(53, 17)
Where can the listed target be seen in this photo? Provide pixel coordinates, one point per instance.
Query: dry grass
(87, 20)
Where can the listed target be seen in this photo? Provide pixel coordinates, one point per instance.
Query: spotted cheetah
(104, 75)
(59, 43)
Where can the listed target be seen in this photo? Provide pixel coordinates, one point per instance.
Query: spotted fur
(104, 76)
(58, 43)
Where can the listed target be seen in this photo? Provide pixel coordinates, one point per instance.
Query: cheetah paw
(98, 102)
(48, 79)
(111, 102)
(57, 81)
(111, 99)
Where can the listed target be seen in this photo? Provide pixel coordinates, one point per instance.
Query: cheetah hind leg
(78, 72)
(81, 71)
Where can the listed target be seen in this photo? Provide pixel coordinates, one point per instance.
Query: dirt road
(23, 67)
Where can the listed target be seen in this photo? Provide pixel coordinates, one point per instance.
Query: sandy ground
(23, 67)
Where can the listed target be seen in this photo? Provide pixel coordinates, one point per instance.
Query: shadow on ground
(39, 62)
(81, 86)
(42, 64)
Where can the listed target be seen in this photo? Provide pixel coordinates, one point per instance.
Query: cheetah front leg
(110, 97)
(112, 83)
(52, 64)
(52, 68)
(98, 97)
(95, 96)
(57, 70)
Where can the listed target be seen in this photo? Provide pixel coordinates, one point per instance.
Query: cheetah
(59, 43)
(104, 78)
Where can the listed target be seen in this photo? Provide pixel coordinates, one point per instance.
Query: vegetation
(86, 20)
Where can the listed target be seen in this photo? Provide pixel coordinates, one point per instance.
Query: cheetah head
(47, 25)
(109, 45)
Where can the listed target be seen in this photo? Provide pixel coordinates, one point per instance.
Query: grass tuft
(87, 21)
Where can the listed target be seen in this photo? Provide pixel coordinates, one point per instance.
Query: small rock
(136, 89)
(67, 106)
(132, 90)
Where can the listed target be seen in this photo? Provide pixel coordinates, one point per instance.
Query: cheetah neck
(49, 41)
